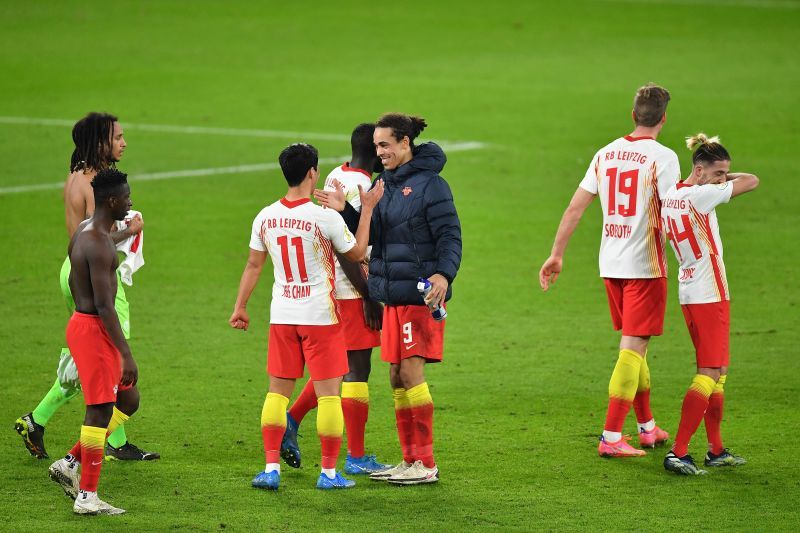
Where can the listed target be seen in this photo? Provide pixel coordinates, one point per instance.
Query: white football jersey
(691, 225)
(351, 178)
(300, 237)
(631, 175)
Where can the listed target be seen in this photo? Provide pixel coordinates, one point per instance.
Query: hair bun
(700, 139)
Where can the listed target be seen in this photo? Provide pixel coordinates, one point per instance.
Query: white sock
(647, 426)
(612, 436)
(273, 467)
(330, 472)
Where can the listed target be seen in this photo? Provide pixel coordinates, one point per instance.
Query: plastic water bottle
(424, 287)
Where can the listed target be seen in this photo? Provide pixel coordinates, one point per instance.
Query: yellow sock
(625, 378)
(92, 438)
(273, 413)
(719, 388)
(644, 375)
(702, 385)
(117, 419)
(330, 426)
(400, 399)
(419, 395)
(357, 390)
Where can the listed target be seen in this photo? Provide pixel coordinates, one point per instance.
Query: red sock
(92, 441)
(423, 434)
(617, 411)
(405, 424)
(713, 420)
(694, 408)
(330, 447)
(422, 410)
(641, 404)
(355, 420)
(272, 436)
(304, 403)
(76, 451)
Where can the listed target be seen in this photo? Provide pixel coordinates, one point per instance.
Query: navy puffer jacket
(415, 230)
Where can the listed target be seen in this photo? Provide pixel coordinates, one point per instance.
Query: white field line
(198, 172)
(767, 4)
(447, 146)
(205, 130)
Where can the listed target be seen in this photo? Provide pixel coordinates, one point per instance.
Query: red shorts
(96, 358)
(709, 326)
(321, 348)
(410, 330)
(637, 305)
(357, 335)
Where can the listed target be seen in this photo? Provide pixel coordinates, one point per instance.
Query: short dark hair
(402, 125)
(361, 140)
(707, 150)
(92, 138)
(106, 184)
(650, 104)
(296, 160)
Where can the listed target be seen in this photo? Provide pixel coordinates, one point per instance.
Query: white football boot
(66, 474)
(416, 474)
(90, 503)
(383, 475)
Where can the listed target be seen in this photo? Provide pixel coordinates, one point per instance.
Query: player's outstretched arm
(742, 182)
(252, 271)
(100, 255)
(368, 202)
(569, 221)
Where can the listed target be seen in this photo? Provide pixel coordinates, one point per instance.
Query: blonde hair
(706, 149)
(700, 139)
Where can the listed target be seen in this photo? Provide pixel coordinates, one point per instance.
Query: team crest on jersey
(406, 191)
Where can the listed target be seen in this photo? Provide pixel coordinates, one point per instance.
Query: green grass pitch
(520, 398)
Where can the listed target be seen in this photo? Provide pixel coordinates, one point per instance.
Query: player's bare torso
(90, 246)
(78, 198)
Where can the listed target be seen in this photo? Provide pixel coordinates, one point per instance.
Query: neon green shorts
(120, 301)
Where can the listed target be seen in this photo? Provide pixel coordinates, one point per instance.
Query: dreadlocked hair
(402, 125)
(706, 149)
(106, 183)
(92, 138)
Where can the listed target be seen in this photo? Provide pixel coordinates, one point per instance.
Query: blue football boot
(290, 451)
(267, 480)
(363, 465)
(326, 483)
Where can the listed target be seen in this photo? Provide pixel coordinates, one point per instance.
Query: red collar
(633, 139)
(347, 168)
(294, 203)
(681, 185)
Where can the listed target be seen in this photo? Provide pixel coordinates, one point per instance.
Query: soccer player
(106, 367)
(690, 221)
(416, 234)
(300, 238)
(99, 144)
(361, 321)
(631, 175)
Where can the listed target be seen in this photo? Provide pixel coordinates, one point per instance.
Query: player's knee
(128, 401)
(98, 415)
(360, 366)
(411, 376)
(713, 373)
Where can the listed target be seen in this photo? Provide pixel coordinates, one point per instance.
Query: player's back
(351, 178)
(630, 175)
(78, 199)
(86, 245)
(298, 236)
(690, 222)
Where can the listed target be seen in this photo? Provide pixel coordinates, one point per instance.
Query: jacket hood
(427, 157)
